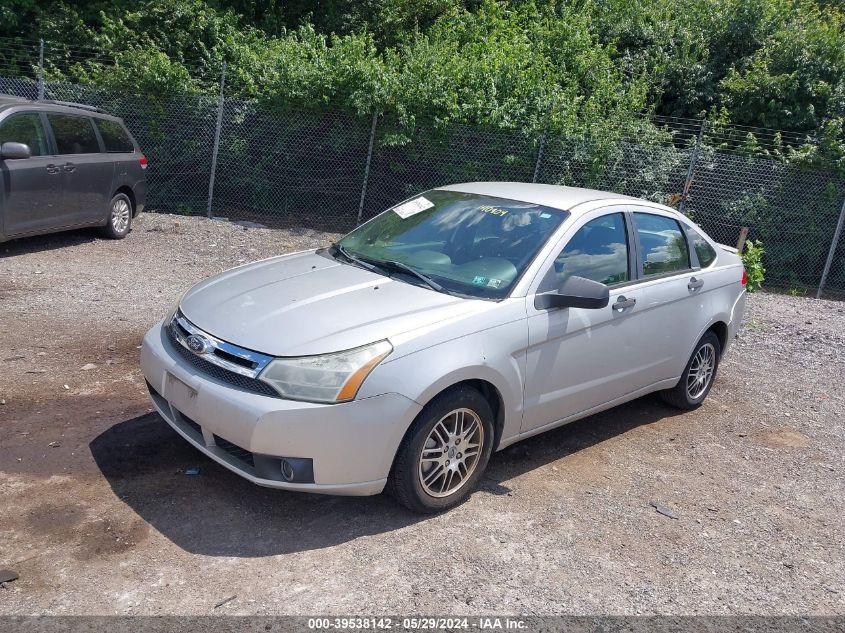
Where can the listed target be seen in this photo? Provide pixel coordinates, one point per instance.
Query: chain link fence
(330, 169)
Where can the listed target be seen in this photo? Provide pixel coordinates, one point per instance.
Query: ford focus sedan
(452, 325)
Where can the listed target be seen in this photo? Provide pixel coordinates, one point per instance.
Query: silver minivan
(67, 166)
(450, 326)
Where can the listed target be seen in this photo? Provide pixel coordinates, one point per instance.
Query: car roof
(555, 196)
(11, 101)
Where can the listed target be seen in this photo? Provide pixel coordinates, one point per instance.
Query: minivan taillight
(143, 161)
(744, 277)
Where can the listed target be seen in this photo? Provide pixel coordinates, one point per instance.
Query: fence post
(693, 163)
(740, 242)
(216, 139)
(836, 233)
(367, 167)
(542, 146)
(41, 70)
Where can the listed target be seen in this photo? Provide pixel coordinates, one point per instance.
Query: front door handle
(52, 169)
(622, 303)
(695, 284)
(69, 167)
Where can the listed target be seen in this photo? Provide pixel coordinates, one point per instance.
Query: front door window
(598, 251)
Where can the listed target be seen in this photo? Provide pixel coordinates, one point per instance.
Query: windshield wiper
(340, 248)
(395, 265)
(375, 265)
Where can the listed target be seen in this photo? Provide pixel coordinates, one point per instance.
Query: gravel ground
(98, 516)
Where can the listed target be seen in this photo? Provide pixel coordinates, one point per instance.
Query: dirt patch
(50, 518)
(786, 438)
(107, 537)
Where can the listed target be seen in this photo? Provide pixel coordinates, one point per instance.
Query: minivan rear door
(30, 188)
(87, 170)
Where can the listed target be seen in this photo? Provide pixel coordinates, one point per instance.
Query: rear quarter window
(115, 136)
(705, 252)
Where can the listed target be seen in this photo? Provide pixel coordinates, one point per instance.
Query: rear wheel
(698, 376)
(120, 217)
(445, 452)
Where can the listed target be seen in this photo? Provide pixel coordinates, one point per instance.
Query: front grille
(219, 373)
(241, 454)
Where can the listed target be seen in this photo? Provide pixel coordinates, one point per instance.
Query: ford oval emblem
(198, 344)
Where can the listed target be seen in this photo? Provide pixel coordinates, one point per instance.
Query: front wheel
(120, 217)
(445, 451)
(698, 376)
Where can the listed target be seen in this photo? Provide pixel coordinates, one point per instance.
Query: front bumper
(352, 444)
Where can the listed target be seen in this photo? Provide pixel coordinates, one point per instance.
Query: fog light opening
(287, 470)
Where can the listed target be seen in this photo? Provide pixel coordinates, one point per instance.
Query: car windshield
(465, 243)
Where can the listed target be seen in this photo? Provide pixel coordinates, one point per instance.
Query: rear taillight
(143, 161)
(744, 277)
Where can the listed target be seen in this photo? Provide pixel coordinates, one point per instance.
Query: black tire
(405, 477)
(686, 394)
(119, 222)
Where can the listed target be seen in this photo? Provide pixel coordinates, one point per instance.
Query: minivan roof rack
(71, 104)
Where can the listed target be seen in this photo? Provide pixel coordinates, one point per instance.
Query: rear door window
(114, 136)
(663, 246)
(74, 134)
(25, 128)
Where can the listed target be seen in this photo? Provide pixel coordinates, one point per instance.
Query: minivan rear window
(114, 136)
(74, 134)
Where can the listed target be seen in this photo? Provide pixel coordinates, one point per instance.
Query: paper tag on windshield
(413, 207)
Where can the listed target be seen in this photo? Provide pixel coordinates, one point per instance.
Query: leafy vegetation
(586, 65)
(752, 259)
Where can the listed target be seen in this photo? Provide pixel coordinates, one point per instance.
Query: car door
(578, 359)
(31, 187)
(676, 291)
(87, 171)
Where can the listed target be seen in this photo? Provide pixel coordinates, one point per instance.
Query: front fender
(496, 355)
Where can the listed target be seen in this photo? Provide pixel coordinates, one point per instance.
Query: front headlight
(326, 378)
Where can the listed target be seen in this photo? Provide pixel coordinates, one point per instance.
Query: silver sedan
(452, 325)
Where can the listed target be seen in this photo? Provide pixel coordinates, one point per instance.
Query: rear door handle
(695, 284)
(622, 303)
(52, 169)
(69, 167)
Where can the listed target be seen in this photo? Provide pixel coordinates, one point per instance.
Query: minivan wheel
(698, 376)
(120, 217)
(445, 451)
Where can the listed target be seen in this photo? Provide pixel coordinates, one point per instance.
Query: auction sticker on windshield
(412, 207)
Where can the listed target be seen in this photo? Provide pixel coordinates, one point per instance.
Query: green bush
(752, 259)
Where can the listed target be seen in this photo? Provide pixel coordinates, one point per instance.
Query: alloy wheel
(451, 452)
(120, 212)
(701, 371)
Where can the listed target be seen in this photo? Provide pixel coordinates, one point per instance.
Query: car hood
(305, 303)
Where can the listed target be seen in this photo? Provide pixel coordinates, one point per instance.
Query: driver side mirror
(575, 292)
(10, 150)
